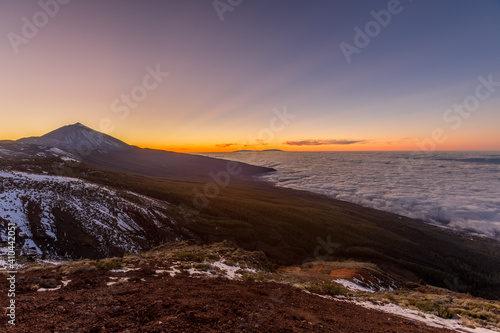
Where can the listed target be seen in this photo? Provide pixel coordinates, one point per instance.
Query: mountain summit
(77, 137)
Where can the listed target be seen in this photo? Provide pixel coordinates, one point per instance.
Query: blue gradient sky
(226, 77)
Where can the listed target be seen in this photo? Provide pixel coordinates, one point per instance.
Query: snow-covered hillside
(67, 216)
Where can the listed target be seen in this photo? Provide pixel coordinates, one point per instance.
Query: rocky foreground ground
(149, 303)
(183, 287)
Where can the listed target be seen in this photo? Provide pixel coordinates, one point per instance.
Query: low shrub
(109, 264)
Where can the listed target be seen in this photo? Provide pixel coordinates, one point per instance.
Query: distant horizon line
(341, 151)
(208, 150)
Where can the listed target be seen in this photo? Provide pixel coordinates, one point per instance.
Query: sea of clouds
(460, 190)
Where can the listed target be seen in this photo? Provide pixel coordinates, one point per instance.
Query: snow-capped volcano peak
(79, 125)
(78, 137)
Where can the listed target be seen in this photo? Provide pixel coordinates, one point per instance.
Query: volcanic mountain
(101, 150)
(77, 137)
(57, 212)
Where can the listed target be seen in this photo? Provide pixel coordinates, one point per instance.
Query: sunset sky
(228, 79)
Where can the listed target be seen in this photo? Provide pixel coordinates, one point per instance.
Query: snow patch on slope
(417, 316)
(107, 214)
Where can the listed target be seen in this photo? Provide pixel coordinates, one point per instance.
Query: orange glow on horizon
(213, 143)
(210, 148)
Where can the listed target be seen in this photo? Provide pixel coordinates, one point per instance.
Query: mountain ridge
(97, 149)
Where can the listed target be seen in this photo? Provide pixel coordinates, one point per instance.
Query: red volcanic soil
(317, 271)
(345, 273)
(148, 303)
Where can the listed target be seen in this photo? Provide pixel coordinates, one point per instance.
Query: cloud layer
(225, 145)
(458, 190)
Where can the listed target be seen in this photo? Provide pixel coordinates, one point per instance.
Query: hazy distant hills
(252, 151)
(100, 150)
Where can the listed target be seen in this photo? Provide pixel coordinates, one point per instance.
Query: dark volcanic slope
(159, 163)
